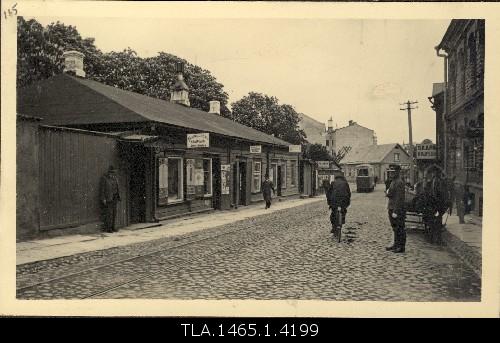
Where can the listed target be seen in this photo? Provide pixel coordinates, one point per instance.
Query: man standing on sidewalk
(267, 187)
(459, 198)
(109, 195)
(397, 212)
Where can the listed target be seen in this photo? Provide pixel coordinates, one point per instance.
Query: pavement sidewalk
(465, 240)
(50, 248)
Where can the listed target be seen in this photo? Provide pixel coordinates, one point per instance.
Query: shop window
(256, 176)
(273, 173)
(170, 180)
(198, 177)
(293, 173)
(396, 157)
(207, 176)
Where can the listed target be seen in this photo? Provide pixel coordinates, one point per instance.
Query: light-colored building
(380, 157)
(315, 130)
(353, 136)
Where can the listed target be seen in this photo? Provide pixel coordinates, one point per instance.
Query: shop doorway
(216, 184)
(242, 183)
(278, 182)
(137, 185)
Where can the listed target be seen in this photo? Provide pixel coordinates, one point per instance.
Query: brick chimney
(73, 63)
(180, 90)
(214, 107)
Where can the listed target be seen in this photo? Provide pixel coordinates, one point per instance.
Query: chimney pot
(351, 122)
(214, 107)
(73, 62)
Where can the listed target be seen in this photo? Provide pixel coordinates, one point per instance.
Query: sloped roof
(370, 153)
(69, 100)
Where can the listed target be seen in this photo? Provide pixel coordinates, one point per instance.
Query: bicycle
(337, 231)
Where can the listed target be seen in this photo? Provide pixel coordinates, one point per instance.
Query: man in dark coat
(267, 187)
(439, 205)
(109, 196)
(339, 196)
(397, 211)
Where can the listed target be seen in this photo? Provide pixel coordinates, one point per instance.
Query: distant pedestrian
(459, 200)
(451, 193)
(109, 196)
(397, 211)
(267, 187)
(339, 196)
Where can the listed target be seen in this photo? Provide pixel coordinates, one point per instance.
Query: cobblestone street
(289, 254)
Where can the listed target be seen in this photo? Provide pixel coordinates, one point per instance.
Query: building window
(170, 180)
(283, 175)
(207, 177)
(293, 173)
(396, 157)
(461, 59)
(256, 176)
(327, 142)
(472, 58)
(453, 83)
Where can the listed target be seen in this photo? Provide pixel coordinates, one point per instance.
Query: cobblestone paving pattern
(289, 254)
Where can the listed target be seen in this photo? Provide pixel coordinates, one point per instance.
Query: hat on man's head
(396, 168)
(111, 168)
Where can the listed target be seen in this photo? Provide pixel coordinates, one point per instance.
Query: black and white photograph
(307, 155)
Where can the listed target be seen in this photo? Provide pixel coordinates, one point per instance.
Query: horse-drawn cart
(414, 215)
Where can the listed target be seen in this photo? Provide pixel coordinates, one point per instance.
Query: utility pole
(409, 108)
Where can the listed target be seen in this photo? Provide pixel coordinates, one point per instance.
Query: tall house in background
(353, 136)
(464, 44)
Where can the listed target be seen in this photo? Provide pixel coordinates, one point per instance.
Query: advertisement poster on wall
(198, 176)
(190, 186)
(162, 181)
(225, 173)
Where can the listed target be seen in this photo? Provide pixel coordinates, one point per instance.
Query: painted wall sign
(198, 140)
(324, 164)
(255, 149)
(225, 170)
(295, 148)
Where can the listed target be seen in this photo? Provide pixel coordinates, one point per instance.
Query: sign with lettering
(198, 140)
(225, 171)
(426, 151)
(323, 164)
(295, 148)
(255, 149)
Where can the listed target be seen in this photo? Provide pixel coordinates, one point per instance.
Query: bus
(365, 178)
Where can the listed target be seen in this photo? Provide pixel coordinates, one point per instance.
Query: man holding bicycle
(339, 196)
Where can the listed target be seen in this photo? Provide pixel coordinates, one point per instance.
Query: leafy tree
(40, 56)
(264, 113)
(40, 49)
(316, 152)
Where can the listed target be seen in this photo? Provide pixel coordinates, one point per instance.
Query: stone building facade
(464, 44)
(354, 136)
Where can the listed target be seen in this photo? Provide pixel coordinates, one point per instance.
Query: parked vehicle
(365, 178)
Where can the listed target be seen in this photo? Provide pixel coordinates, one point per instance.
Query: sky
(359, 70)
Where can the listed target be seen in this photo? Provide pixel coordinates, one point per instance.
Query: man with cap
(397, 212)
(109, 196)
(267, 187)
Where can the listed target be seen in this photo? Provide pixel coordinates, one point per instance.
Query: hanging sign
(295, 148)
(255, 149)
(225, 171)
(324, 164)
(198, 140)
(426, 151)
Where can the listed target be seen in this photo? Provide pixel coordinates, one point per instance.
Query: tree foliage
(264, 113)
(316, 152)
(40, 52)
